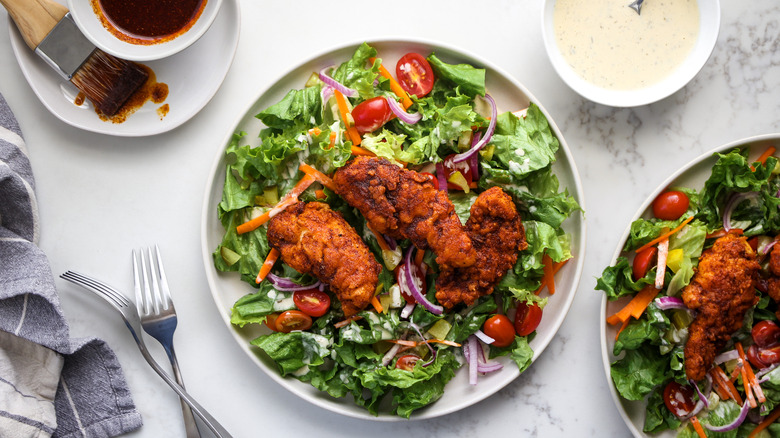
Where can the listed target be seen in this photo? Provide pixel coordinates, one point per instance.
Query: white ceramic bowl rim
(709, 18)
(92, 27)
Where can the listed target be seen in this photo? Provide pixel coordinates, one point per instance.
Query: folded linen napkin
(50, 384)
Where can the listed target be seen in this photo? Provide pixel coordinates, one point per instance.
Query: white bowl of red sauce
(143, 30)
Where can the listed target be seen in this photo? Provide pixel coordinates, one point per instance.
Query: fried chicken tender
(316, 240)
(497, 231)
(406, 204)
(721, 291)
(773, 282)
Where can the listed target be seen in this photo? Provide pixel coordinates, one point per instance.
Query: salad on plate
(693, 304)
(349, 303)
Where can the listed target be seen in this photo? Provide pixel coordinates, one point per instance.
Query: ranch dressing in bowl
(611, 46)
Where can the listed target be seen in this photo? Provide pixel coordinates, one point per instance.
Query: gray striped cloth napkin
(50, 384)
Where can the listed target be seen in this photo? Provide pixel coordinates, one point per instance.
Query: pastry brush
(50, 31)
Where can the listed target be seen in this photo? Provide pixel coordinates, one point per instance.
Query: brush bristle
(108, 81)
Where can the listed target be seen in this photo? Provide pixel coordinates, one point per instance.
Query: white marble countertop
(101, 196)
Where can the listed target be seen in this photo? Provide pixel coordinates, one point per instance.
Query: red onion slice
(287, 285)
(735, 200)
(399, 112)
(326, 92)
(485, 138)
(483, 337)
(471, 356)
(410, 272)
(707, 389)
(734, 424)
(489, 367)
(407, 310)
(388, 357)
(349, 92)
(440, 177)
(725, 357)
(666, 303)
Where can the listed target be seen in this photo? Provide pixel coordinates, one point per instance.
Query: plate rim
(603, 327)
(218, 164)
(105, 127)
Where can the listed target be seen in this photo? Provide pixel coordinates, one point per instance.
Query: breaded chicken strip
(497, 231)
(316, 240)
(721, 291)
(405, 204)
(773, 282)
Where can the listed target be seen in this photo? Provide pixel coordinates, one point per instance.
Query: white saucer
(193, 77)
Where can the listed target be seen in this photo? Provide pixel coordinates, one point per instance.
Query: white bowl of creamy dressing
(611, 55)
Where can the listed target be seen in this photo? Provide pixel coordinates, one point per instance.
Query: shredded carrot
(751, 377)
(549, 276)
(394, 85)
(555, 268)
(290, 198)
(727, 384)
(439, 341)
(341, 324)
(352, 132)
(622, 327)
(379, 239)
(418, 257)
(332, 143)
(766, 422)
(315, 131)
(377, 305)
(635, 307)
(320, 194)
(697, 427)
(719, 386)
(403, 342)
(665, 235)
(319, 176)
(748, 392)
(357, 150)
(273, 255)
(762, 159)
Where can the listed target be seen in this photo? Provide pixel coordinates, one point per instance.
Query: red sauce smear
(148, 21)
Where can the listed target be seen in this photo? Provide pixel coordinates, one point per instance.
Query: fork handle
(190, 426)
(212, 423)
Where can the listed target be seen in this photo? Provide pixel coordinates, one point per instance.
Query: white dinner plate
(226, 288)
(192, 81)
(692, 175)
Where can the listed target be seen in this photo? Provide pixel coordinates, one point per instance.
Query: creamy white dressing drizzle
(613, 47)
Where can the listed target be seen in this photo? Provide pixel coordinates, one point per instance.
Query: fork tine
(114, 297)
(149, 306)
(140, 304)
(167, 300)
(155, 282)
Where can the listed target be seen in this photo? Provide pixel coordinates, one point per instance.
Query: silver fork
(158, 316)
(133, 322)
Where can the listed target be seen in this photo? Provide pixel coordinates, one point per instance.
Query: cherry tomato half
(752, 355)
(407, 362)
(769, 356)
(270, 321)
(290, 320)
(527, 318)
(670, 205)
(643, 260)
(463, 167)
(371, 114)
(765, 334)
(679, 399)
(500, 328)
(312, 302)
(414, 74)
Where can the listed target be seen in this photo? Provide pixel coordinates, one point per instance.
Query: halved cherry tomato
(406, 362)
(371, 114)
(312, 302)
(752, 355)
(527, 318)
(463, 167)
(290, 320)
(765, 334)
(679, 399)
(769, 356)
(753, 242)
(643, 260)
(414, 74)
(500, 328)
(270, 321)
(670, 205)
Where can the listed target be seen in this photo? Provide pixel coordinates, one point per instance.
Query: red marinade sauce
(148, 21)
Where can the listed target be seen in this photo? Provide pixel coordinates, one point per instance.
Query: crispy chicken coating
(314, 239)
(497, 231)
(406, 204)
(721, 291)
(773, 282)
